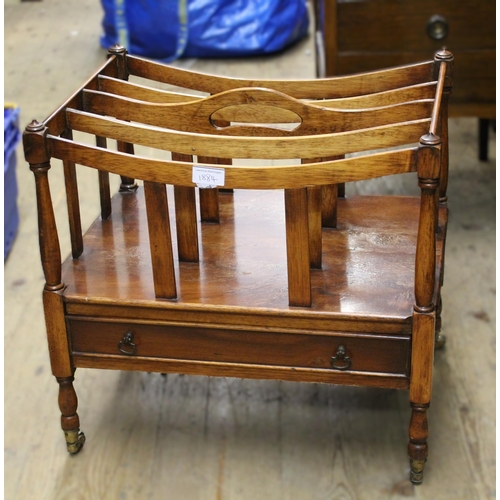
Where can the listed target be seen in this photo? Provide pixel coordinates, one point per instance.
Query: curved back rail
(396, 96)
(323, 88)
(254, 106)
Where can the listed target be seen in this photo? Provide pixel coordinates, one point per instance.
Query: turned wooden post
(443, 56)
(36, 154)
(423, 331)
(128, 185)
(446, 57)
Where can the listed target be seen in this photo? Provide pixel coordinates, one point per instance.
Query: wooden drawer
(400, 25)
(367, 353)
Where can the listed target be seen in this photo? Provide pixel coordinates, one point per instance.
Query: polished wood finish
(162, 259)
(265, 292)
(75, 223)
(104, 186)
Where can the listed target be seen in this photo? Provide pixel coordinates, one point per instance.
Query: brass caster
(74, 441)
(440, 341)
(417, 471)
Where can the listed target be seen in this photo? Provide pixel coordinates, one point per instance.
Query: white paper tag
(206, 178)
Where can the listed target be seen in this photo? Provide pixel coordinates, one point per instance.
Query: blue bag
(168, 29)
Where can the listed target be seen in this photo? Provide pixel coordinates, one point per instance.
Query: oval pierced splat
(261, 114)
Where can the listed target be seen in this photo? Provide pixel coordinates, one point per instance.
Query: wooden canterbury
(276, 275)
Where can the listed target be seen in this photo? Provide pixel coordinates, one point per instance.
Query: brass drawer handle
(437, 27)
(126, 344)
(340, 361)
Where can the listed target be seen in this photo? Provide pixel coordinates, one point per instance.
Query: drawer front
(363, 353)
(390, 25)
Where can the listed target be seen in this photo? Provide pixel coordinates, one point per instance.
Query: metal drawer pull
(437, 27)
(340, 361)
(126, 344)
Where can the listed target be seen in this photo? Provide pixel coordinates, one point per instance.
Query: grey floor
(180, 437)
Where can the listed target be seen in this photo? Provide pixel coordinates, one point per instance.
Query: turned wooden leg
(70, 422)
(417, 447)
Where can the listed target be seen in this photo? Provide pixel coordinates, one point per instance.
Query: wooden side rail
(321, 145)
(237, 176)
(385, 98)
(324, 88)
(56, 122)
(256, 106)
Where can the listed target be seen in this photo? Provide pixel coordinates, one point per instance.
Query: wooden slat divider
(240, 177)
(196, 116)
(331, 195)
(104, 187)
(74, 218)
(314, 208)
(127, 183)
(297, 245)
(160, 240)
(314, 198)
(56, 122)
(209, 205)
(329, 204)
(209, 198)
(342, 86)
(185, 217)
(142, 92)
(313, 146)
(388, 97)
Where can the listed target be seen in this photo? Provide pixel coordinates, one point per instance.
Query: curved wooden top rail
(329, 88)
(56, 122)
(386, 98)
(236, 176)
(324, 88)
(255, 106)
(312, 146)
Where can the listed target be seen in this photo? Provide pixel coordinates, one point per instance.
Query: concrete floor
(227, 438)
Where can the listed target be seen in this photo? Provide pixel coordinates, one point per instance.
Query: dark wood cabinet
(364, 35)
